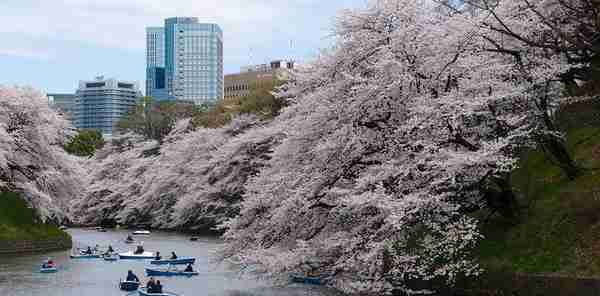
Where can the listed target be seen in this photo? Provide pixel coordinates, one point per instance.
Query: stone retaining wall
(24, 247)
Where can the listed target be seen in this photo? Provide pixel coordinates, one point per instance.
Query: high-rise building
(62, 103)
(155, 63)
(102, 102)
(193, 60)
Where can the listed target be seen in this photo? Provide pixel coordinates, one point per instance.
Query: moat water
(19, 275)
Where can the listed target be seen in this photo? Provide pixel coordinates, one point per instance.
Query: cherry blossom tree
(389, 143)
(193, 180)
(32, 159)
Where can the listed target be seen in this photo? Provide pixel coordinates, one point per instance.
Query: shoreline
(27, 247)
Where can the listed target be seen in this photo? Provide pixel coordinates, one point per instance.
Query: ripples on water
(19, 276)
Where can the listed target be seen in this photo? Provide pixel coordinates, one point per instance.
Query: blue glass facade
(155, 63)
(193, 60)
(101, 103)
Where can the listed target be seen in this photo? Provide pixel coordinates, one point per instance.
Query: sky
(52, 44)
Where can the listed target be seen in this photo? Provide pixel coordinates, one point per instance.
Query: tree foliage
(392, 137)
(33, 162)
(260, 102)
(155, 120)
(85, 143)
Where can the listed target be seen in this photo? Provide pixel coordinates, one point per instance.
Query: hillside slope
(19, 222)
(559, 231)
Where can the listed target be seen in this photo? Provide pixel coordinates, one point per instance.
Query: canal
(19, 275)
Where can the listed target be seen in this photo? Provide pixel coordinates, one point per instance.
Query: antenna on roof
(291, 58)
(250, 57)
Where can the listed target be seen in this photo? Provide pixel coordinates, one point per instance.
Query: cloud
(120, 24)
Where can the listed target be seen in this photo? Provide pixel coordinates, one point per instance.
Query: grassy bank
(559, 229)
(17, 221)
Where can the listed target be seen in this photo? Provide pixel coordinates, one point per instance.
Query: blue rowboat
(93, 256)
(129, 286)
(312, 280)
(48, 270)
(166, 272)
(178, 261)
(143, 292)
(131, 255)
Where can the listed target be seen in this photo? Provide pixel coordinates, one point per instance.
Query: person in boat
(110, 249)
(158, 287)
(89, 251)
(139, 250)
(158, 256)
(48, 263)
(173, 256)
(151, 285)
(131, 277)
(189, 268)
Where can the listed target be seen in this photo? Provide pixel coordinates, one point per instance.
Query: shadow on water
(19, 275)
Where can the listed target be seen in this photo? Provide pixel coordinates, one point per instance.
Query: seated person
(158, 287)
(89, 251)
(139, 250)
(151, 286)
(173, 256)
(131, 277)
(110, 249)
(189, 268)
(48, 263)
(157, 257)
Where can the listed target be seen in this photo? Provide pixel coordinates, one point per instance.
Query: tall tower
(193, 60)
(155, 63)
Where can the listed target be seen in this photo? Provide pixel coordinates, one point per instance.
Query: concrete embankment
(35, 246)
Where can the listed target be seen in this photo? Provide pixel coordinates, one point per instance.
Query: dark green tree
(85, 143)
(155, 120)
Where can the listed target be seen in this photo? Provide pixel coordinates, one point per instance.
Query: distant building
(192, 61)
(240, 84)
(155, 63)
(102, 102)
(62, 103)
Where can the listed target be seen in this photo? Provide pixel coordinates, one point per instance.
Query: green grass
(18, 222)
(559, 229)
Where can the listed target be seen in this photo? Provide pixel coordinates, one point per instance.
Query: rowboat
(131, 255)
(167, 272)
(143, 292)
(48, 270)
(178, 261)
(129, 286)
(312, 280)
(87, 256)
(141, 232)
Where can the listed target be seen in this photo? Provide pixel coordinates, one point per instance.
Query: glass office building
(155, 63)
(193, 60)
(102, 102)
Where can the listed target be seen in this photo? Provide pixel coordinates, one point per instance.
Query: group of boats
(158, 266)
